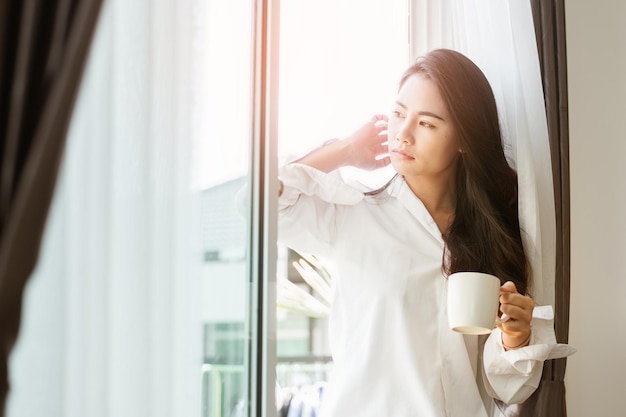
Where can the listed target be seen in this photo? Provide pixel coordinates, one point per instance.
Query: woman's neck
(438, 196)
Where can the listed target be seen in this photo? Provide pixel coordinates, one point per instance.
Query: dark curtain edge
(25, 223)
(550, 30)
(549, 20)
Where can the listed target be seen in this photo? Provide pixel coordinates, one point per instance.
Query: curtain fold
(43, 49)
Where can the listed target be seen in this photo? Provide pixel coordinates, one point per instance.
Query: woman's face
(422, 141)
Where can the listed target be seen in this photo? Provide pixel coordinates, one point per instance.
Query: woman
(451, 207)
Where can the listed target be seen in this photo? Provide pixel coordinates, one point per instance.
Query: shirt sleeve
(310, 206)
(512, 376)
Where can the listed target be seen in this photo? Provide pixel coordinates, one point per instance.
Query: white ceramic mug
(473, 302)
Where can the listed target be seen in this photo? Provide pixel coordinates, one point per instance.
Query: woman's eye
(396, 113)
(425, 124)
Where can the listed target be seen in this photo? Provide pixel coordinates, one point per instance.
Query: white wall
(596, 47)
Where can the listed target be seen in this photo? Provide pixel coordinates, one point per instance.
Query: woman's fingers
(379, 117)
(515, 331)
(508, 287)
(516, 312)
(518, 305)
(519, 308)
(369, 144)
(383, 162)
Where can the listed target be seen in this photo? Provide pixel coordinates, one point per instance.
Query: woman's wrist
(515, 343)
(331, 155)
(343, 150)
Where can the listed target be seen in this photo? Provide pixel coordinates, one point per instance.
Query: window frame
(263, 211)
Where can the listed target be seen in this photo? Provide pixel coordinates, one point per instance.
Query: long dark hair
(485, 234)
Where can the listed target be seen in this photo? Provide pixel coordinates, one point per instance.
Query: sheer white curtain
(112, 323)
(499, 37)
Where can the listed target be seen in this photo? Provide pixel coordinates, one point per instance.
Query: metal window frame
(263, 211)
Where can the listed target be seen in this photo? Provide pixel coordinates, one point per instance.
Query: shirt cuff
(542, 347)
(302, 179)
(515, 371)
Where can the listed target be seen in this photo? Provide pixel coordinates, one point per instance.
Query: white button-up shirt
(394, 354)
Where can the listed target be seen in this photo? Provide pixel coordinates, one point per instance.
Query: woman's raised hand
(365, 149)
(368, 144)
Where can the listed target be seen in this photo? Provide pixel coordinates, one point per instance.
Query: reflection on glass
(221, 169)
(331, 81)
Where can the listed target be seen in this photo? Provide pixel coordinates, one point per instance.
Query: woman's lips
(400, 154)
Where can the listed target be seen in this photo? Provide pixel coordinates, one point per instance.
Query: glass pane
(335, 73)
(222, 169)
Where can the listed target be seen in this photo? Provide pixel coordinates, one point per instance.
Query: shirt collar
(400, 190)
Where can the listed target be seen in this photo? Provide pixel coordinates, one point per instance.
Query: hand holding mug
(474, 299)
(519, 308)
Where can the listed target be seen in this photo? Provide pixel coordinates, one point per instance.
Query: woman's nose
(405, 134)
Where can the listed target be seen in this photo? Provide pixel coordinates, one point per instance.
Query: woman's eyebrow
(421, 113)
(431, 114)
